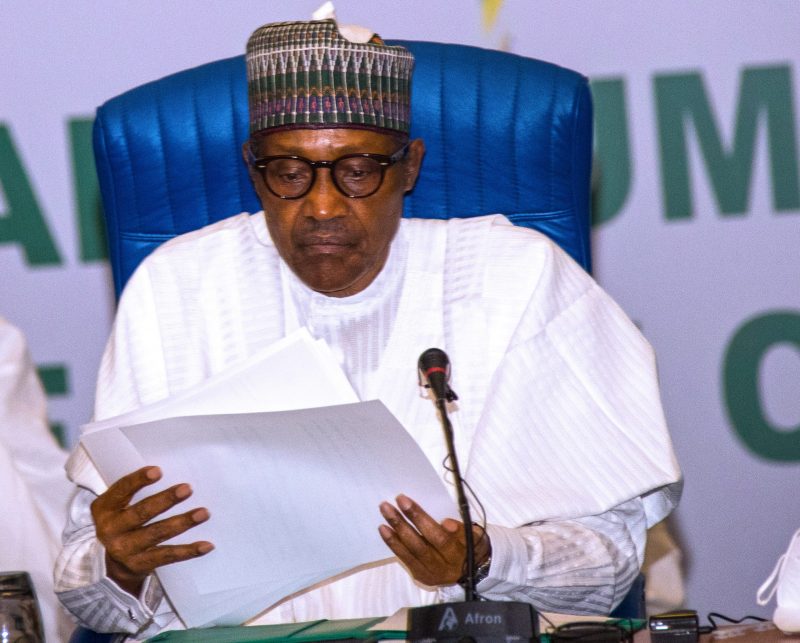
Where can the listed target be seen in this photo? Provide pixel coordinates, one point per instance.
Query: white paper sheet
(293, 497)
(267, 381)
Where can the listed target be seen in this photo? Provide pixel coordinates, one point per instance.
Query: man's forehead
(330, 141)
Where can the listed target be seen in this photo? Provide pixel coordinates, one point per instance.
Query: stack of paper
(294, 373)
(293, 495)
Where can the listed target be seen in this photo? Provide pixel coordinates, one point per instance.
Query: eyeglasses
(354, 175)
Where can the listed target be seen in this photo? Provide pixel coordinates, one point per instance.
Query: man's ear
(413, 162)
(246, 156)
(255, 177)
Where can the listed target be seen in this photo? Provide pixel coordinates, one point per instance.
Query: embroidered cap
(306, 74)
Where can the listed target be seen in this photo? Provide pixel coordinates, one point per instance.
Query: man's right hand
(133, 547)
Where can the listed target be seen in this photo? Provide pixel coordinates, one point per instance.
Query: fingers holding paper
(433, 552)
(133, 542)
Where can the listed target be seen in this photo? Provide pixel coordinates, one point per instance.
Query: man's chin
(335, 274)
(335, 290)
(329, 281)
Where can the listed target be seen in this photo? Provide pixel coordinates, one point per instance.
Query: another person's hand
(133, 547)
(433, 552)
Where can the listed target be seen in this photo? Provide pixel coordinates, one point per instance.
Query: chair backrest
(503, 134)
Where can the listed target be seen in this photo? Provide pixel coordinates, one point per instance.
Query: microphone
(434, 370)
(434, 367)
(474, 620)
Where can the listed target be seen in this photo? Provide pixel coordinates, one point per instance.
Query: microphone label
(449, 621)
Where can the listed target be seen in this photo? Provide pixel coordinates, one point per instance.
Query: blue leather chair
(503, 133)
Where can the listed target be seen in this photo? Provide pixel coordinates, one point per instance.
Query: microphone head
(434, 370)
(434, 358)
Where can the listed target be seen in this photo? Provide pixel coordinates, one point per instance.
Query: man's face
(336, 244)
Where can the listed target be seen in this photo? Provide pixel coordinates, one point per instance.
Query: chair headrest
(504, 134)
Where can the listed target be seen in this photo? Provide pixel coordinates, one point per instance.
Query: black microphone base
(473, 622)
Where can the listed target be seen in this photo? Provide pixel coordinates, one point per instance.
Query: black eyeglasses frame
(384, 161)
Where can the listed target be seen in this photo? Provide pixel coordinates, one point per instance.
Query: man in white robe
(559, 426)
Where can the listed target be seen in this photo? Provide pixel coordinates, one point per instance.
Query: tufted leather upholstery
(503, 134)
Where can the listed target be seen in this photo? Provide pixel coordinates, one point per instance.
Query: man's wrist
(124, 580)
(483, 558)
(483, 569)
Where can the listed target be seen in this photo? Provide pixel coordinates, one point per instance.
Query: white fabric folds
(559, 426)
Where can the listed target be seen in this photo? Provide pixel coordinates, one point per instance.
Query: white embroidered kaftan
(559, 426)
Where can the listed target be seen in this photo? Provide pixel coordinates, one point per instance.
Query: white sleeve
(580, 566)
(34, 490)
(94, 599)
(24, 430)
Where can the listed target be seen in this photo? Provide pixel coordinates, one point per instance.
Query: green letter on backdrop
(22, 222)
(764, 90)
(55, 380)
(740, 382)
(93, 245)
(612, 149)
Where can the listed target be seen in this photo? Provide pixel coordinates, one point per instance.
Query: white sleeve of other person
(34, 489)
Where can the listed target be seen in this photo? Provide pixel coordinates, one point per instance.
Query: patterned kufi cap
(306, 74)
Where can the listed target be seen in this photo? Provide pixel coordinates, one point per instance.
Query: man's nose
(324, 201)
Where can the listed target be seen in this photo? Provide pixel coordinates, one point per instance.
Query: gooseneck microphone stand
(463, 505)
(474, 620)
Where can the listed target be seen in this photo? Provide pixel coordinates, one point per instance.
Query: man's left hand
(433, 552)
